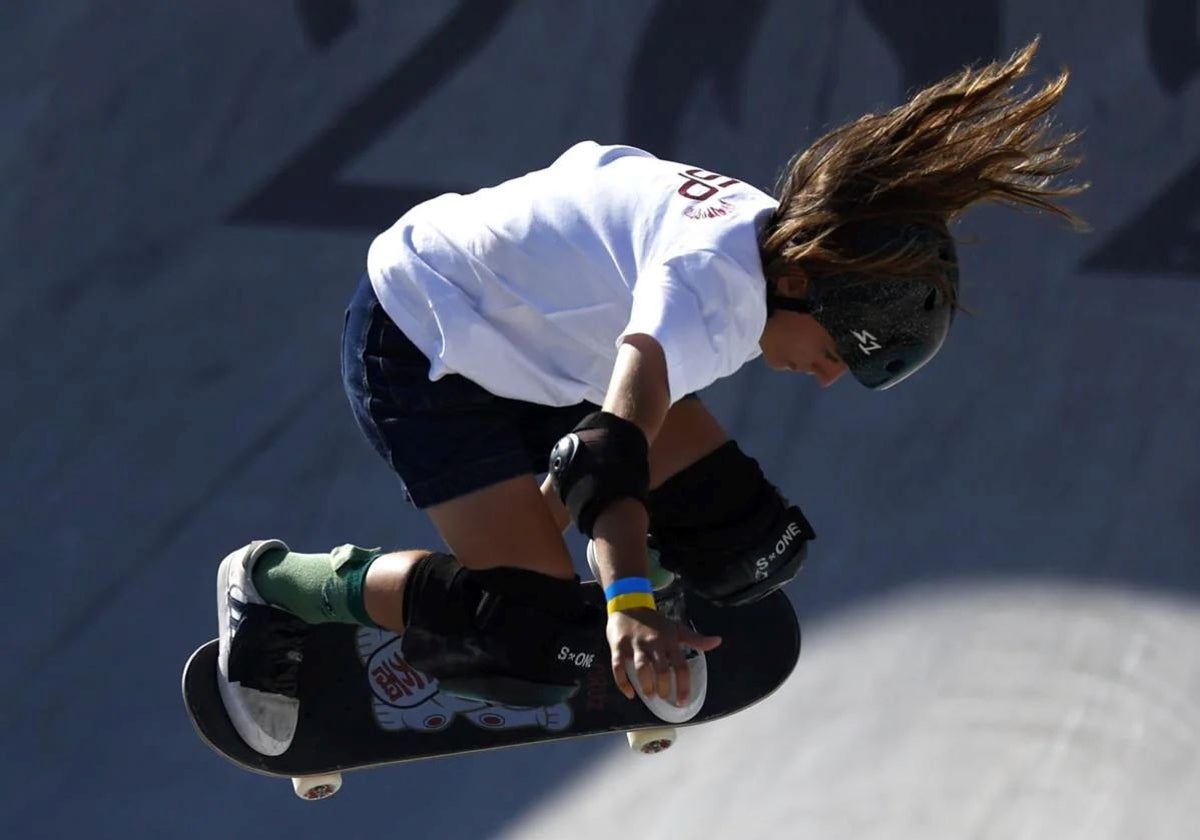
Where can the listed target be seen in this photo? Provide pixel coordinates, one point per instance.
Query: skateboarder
(572, 313)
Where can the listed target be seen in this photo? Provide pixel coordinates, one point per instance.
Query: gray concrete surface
(1001, 615)
(991, 712)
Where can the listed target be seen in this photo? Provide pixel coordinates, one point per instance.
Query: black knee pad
(504, 635)
(726, 530)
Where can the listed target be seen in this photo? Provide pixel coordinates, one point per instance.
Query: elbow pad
(603, 459)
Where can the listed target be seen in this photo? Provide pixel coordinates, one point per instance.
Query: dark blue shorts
(445, 438)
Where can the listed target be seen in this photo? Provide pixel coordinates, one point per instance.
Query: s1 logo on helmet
(863, 337)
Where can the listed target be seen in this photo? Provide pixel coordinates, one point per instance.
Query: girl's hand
(654, 645)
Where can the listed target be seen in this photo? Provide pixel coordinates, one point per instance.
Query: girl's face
(795, 341)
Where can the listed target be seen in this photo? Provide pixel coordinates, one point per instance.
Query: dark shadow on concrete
(307, 192)
(325, 21)
(936, 37)
(1164, 238)
(686, 46)
(1174, 35)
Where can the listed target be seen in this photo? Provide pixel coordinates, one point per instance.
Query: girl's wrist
(629, 593)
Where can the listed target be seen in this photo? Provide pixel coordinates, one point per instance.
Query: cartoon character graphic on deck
(405, 698)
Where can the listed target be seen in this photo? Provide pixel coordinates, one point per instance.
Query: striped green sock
(317, 588)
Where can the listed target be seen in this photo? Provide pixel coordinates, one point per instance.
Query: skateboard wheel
(651, 741)
(317, 787)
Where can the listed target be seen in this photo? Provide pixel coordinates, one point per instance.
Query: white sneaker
(265, 719)
(669, 599)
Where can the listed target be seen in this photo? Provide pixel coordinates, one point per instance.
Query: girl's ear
(793, 284)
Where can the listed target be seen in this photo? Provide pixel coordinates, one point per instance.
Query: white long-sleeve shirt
(527, 288)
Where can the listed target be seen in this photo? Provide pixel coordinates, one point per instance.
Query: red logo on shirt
(708, 211)
(700, 185)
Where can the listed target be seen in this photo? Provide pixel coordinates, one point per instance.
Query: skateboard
(362, 705)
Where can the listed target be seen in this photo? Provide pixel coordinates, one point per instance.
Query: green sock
(317, 588)
(660, 578)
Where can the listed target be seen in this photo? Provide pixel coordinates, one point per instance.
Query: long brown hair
(966, 139)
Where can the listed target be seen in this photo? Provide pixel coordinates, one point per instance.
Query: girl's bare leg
(514, 523)
(507, 524)
(688, 434)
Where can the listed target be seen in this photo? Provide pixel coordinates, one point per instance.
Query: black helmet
(885, 328)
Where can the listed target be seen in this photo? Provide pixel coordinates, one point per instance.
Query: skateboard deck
(362, 705)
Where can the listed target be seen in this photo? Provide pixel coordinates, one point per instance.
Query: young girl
(562, 321)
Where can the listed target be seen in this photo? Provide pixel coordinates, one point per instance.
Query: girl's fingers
(683, 677)
(621, 678)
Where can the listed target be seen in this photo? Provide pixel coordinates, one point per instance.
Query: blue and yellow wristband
(628, 594)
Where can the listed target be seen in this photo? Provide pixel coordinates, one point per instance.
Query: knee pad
(726, 530)
(503, 635)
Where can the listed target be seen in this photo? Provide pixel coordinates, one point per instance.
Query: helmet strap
(804, 306)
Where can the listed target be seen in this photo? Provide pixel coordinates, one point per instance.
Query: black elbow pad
(603, 459)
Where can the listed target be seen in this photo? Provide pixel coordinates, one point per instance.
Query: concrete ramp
(1000, 612)
(1009, 711)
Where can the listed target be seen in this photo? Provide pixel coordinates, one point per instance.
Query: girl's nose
(827, 372)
